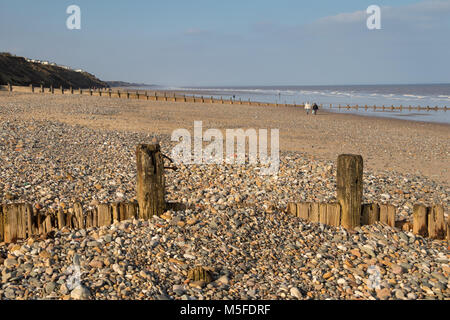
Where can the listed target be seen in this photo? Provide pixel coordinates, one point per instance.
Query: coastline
(58, 150)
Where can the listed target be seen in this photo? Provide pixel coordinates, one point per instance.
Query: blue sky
(237, 42)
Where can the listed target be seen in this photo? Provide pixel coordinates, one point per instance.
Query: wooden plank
(420, 223)
(436, 223)
(132, 210)
(448, 230)
(71, 221)
(61, 218)
(79, 215)
(89, 219)
(115, 207)
(383, 213)
(292, 209)
(350, 188)
(11, 223)
(31, 220)
(391, 215)
(333, 214)
(2, 229)
(323, 217)
(303, 210)
(104, 214)
(94, 218)
(314, 213)
(387, 214)
(48, 225)
(370, 213)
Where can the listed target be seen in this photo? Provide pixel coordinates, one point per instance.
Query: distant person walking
(307, 107)
(315, 107)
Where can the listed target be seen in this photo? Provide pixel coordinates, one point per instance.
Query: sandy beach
(60, 149)
(406, 147)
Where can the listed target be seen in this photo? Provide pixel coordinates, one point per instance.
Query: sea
(432, 95)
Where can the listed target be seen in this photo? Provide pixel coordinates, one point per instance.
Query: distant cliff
(20, 72)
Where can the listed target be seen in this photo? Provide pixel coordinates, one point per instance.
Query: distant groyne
(178, 97)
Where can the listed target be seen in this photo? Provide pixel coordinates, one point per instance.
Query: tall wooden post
(9, 87)
(350, 188)
(150, 180)
(42, 88)
(52, 90)
(31, 88)
(62, 90)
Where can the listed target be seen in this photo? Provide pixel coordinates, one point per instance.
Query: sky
(236, 42)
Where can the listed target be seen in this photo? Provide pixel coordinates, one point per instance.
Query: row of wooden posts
(20, 221)
(350, 213)
(164, 96)
(183, 98)
(427, 221)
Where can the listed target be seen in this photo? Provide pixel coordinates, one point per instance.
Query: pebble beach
(56, 150)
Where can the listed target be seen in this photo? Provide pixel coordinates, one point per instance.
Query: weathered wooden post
(150, 180)
(104, 211)
(420, 219)
(62, 90)
(350, 188)
(387, 214)
(15, 222)
(303, 210)
(52, 90)
(436, 222)
(370, 214)
(31, 88)
(128, 95)
(118, 93)
(71, 90)
(2, 229)
(42, 88)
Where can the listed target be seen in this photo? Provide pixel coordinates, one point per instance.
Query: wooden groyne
(20, 221)
(350, 213)
(177, 97)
